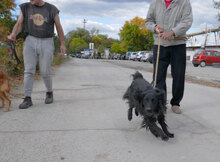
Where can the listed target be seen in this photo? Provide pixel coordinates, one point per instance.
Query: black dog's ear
(160, 94)
(138, 95)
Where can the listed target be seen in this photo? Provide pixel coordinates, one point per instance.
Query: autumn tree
(135, 36)
(6, 6)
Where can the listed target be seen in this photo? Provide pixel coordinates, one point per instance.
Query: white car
(133, 56)
(146, 56)
(139, 55)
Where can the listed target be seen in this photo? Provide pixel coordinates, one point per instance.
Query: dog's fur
(150, 103)
(4, 87)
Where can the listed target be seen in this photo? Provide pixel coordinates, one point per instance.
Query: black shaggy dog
(150, 103)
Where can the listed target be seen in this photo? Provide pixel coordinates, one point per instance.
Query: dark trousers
(176, 57)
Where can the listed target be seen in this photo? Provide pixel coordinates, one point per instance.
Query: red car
(206, 57)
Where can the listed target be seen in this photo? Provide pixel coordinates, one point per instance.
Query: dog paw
(129, 114)
(6, 110)
(170, 135)
(165, 138)
(129, 118)
(136, 112)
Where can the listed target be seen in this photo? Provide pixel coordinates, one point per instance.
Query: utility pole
(84, 24)
(206, 37)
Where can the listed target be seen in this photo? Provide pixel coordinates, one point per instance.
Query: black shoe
(26, 103)
(49, 98)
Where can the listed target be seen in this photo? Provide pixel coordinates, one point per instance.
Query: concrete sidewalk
(88, 121)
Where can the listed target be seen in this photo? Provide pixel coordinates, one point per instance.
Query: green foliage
(5, 9)
(79, 33)
(117, 48)
(56, 44)
(8, 64)
(77, 45)
(101, 42)
(135, 36)
(130, 34)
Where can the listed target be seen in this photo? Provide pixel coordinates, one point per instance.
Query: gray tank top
(39, 20)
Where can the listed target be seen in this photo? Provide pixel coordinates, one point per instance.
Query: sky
(110, 15)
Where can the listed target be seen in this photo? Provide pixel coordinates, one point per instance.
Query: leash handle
(157, 62)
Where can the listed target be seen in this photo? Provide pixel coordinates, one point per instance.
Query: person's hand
(167, 35)
(158, 29)
(63, 49)
(12, 37)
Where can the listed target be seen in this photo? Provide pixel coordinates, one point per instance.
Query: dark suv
(206, 57)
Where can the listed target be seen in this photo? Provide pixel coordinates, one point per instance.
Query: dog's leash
(14, 54)
(157, 62)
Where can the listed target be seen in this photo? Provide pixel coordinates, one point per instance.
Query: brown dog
(4, 87)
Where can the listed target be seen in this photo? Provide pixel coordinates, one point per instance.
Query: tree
(102, 42)
(6, 6)
(117, 48)
(217, 6)
(5, 9)
(135, 36)
(56, 44)
(78, 33)
(77, 45)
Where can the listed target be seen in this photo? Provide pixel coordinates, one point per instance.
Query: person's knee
(45, 74)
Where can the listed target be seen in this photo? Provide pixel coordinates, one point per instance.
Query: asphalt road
(88, 121)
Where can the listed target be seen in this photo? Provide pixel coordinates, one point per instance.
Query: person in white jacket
(170, 20)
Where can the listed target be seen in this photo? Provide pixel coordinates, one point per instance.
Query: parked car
(146, 55)
(72, 55)
(150, 58)
(133, 56)
(206, 57)
(139, 55)
(128, 55)
(119, 57)
(78, 55)
(122, 57)
(115, 57)
(85, 56)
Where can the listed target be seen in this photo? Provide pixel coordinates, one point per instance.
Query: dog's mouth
(149, 113)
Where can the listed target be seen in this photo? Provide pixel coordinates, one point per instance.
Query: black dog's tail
(137, 75)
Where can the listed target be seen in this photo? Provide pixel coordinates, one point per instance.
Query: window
(208, 53)
(217, 54)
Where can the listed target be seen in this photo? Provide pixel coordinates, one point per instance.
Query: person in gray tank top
(38, 18)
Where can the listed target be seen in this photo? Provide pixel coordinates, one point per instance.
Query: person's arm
(150, 19)
(185, 22)
(60, 34)
(17, 28)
